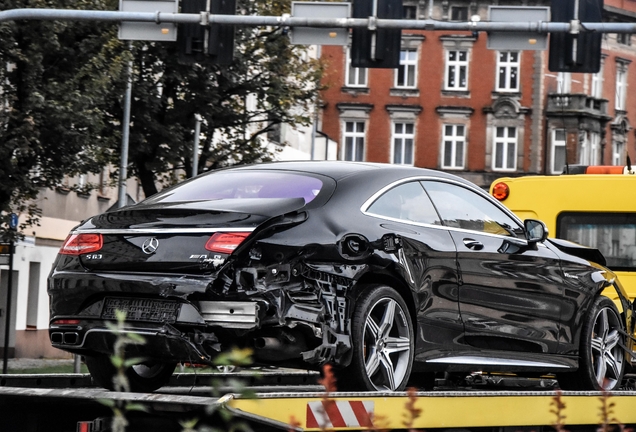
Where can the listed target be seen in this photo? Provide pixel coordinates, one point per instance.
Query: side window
(408, 202)
(462, 208)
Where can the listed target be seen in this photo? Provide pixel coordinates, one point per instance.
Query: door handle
(473, 244)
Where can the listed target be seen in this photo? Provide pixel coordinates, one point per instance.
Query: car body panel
(288, 289)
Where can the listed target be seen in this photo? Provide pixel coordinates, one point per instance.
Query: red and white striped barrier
(332, 414)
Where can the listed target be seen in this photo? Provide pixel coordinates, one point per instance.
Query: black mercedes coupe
(389, 273)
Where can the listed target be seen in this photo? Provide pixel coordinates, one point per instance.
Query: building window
(403, 139)
(409, 12)
(618, 150)
(505, 149)
(354, 141)
(564, 82)
(456, 70)
(590, 149)
(508, 71)
(621, 86)
(558, 150)
(595, 148)
(454, 144)
(596, 90)
(33, 295)
(459, 13)
(624, 38)
(407, 72)
(356, 77)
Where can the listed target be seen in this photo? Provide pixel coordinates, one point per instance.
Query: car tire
(382, 342)
(601, 357)
(144, 377)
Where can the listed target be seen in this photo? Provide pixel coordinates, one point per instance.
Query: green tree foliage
(63, 87)
(58, 80)
(167, 95)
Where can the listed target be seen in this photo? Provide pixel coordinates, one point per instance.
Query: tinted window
(613, 234)
(243, 185)
(407, 202)
(462, 208)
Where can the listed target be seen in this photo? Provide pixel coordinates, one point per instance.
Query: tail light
(66, 322)
(77, 244)
(225, 242)
(501, 191)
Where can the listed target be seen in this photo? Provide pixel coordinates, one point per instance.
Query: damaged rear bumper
(302, 320)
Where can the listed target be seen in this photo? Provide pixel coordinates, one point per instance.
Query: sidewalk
(29, 363)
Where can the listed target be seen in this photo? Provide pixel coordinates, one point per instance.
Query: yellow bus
(592, 206)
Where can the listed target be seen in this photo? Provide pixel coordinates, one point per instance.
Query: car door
(426, 257)
(510, 292)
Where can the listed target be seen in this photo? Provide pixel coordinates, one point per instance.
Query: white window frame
(454, 139)
(355, 77)
(350, 139)
(458, 66)
(503, 144)
(398, 140)
(564, 82)
(408, 64)
(618, 150)
(595, 147)
(596, 88)
(553, 145)
(621, 86)
(510, 68)
(590, 149)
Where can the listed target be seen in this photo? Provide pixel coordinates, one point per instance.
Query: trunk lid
(172, 237)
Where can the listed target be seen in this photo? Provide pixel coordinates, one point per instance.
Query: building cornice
(348, 106)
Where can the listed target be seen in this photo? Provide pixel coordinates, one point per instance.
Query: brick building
(457, 106)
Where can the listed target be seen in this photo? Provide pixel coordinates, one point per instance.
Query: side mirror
(536, 231)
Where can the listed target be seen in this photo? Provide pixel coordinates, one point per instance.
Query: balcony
(577, 105)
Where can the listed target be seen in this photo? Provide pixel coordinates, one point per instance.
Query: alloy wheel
(607, 354)
(386, 344)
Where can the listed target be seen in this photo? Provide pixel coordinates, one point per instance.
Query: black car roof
(339, 170)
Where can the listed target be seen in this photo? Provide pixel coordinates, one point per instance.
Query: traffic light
(385, 52)
(207, 44)
(580, 52)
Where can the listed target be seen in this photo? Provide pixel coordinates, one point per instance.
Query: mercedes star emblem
(150, 246)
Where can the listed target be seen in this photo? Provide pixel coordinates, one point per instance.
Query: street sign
(13, 221)
(320, 35)
(148, 31)
(507, 41)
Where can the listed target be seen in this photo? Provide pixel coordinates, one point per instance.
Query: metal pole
(243, 20)
(313, 135)
(7, 324)
(315, 128)
(195, 146)
(77, 363)
(123, 164)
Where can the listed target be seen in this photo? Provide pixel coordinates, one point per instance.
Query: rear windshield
(243, 185)
(614, 234)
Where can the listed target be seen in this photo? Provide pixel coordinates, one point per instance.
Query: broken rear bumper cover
(299, 317)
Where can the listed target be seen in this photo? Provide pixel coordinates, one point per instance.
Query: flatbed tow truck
(70, 403)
